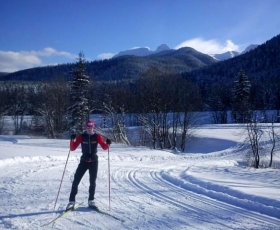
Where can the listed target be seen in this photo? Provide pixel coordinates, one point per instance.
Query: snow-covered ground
(208, 187)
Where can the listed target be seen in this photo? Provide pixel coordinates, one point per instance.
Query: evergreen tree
(78, 110)
(241, 109)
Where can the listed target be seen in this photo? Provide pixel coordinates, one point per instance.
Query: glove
(108, 141)
(73, 137)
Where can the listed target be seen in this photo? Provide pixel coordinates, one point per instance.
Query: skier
(88, 161)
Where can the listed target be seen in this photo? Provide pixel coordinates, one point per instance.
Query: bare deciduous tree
(272, 136)
(52, 106)
(189, 101)
(155, 92)
(18, 100)
(254, 133)
(3, 106)
(118, 123)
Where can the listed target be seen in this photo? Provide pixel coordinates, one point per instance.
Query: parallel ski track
(157, 193)
(157, 176)
(124, 201)
(159, 185)
(120, 177)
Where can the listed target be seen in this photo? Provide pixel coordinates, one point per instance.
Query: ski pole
(61, 179)
(109, 178)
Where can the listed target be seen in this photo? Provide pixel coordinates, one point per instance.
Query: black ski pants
(92, 167)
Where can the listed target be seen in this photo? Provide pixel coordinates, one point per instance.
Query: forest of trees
(158, 101)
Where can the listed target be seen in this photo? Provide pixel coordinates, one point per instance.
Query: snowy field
(208, 187)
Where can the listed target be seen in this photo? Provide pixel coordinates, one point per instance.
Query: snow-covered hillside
(207, 187)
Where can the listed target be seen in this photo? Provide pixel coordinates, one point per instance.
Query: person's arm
(75, 143)
(101, 142)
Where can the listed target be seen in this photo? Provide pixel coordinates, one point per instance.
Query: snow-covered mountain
(142, 51)
(231, 54)
(226, 55)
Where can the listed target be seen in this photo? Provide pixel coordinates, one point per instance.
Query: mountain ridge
(144, 51)
(122, 67)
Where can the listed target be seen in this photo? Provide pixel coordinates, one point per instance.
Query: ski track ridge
(158, 180)
(270, 212)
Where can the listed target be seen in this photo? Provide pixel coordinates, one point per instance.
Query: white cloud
(11, 61)
(209, 46)
(105, 56)
(138, 47)
(53, 52)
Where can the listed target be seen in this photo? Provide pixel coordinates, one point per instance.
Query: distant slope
(123, 67)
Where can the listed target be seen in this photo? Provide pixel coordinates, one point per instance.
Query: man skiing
(88, 161)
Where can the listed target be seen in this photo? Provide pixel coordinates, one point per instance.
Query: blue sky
(46, 32)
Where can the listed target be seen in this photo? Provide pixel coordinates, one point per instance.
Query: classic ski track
(125, 184)
(185, 206)
(220, 204)
(161, 198)
(146, 213)
(116, 179)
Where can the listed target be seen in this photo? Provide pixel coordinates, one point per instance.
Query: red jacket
(75, 143)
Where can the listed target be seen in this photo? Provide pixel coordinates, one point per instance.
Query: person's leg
(93, 169)
(82, 168)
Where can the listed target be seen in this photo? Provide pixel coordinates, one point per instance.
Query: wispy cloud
(11, 61)
(209, 46)
(47, 52)
(105, 56)
(137, 47)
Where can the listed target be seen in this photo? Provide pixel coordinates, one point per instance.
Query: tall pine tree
(79, 85)
(241, 108)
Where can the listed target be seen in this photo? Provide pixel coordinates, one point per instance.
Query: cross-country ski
(63, 214)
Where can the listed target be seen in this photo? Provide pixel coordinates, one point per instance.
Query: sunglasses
(89, 127)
